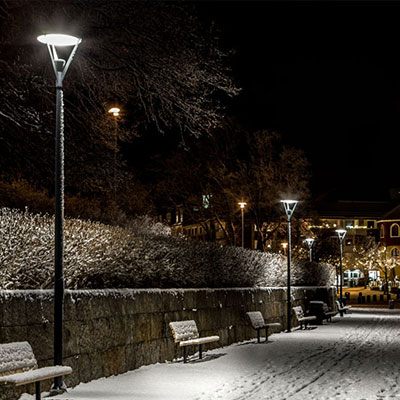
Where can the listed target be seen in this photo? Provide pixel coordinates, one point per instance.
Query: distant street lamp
(310, 242)
(284, 245)
(242, 205)
(341, 234)
(289, 206)
(60, 67)
(115, 112)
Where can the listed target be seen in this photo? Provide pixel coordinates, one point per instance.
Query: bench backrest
(16, 357)
(298, 311)
(256, 319)
(184, 330)
(338, 305)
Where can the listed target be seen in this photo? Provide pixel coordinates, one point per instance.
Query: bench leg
(184, 354)
(37, 391)
(266, 334)
(258, 336)
(200, 352)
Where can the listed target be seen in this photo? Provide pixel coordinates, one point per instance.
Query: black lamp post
(242, 205)
(289, 206)
(60, 67)
(341, 234)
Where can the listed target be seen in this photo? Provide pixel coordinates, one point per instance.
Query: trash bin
(391, 303)
(347, 295)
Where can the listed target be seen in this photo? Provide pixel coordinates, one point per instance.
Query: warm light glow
(242, 204)
(115, 111)
(284, 245)
(59, 40)
(341, 233)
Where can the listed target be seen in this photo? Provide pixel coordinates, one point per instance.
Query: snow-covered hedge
(142, 255)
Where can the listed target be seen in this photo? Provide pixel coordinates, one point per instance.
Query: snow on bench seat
(257, 322)
(203, 340)
(18, 366)
(34, 375)
(186, 334)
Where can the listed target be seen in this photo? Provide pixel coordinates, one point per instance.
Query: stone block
(113, 361)
(71, 332)
(41, 339)
(39, 311)
(14, 311)
(84, 337)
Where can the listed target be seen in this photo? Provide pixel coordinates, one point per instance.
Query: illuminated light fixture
(289, 206)
(59, 40)
(310, 242)
(115, 111)
(242, 205)
(284, 245)
(341, 234)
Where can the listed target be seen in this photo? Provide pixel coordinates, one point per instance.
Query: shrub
(144, 254)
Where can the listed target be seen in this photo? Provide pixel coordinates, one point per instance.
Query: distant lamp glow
(242, 205)
(56, 39)
(115, 111)
(289, 206)
(310, 242)
(284, 245)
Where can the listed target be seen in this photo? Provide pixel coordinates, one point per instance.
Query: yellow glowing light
(115, 111)
(242, 204)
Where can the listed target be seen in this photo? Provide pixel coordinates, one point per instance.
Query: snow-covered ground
(356, 357)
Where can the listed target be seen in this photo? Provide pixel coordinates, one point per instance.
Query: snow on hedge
(142, 255)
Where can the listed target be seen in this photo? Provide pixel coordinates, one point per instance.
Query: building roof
(394, 213)
(354, 209)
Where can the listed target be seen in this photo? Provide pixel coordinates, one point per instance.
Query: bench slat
(36, 375)
(208, 339)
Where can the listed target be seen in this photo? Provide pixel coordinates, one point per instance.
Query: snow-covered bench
(258, 323)
(18, 367)
(186, 334)
(298, 310)
(321, 310)
(342, 309)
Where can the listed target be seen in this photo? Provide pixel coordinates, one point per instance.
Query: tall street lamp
(60, 68)
(115, 112)
(310, 242)
(289, 206)
(242, 205)
(341, 234)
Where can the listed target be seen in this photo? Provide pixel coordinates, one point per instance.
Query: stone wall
(109, 332)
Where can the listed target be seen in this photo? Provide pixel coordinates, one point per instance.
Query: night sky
(327, 76)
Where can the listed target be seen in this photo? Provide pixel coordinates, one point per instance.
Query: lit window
(370, 224)
(394, 230)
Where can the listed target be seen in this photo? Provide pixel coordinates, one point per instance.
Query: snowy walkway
(355, 357)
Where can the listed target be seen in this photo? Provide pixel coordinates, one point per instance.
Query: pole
(289, 317)
(242, 227)
(310, 254)
(115, 158)
(59, 230)
(341, 273)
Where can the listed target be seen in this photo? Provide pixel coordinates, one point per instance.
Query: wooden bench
(321, 310)
(258, 323)
(298, 310)
(18, 366)
(342, 309)
(186, 334)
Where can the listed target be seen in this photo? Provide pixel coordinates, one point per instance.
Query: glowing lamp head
(242, 204)
(284, 245)
(289, 206)
(115, 111)
(310, 242)
(341, 233)
(59, 40)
